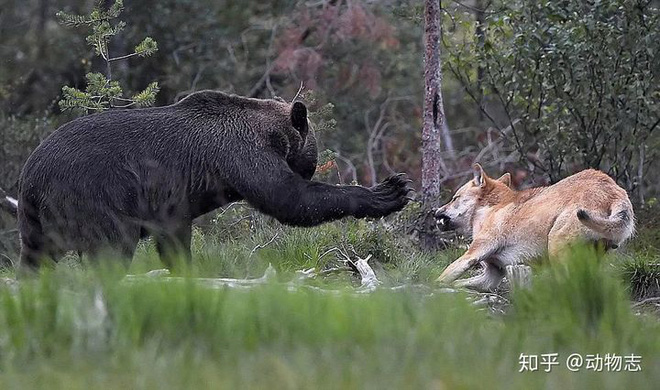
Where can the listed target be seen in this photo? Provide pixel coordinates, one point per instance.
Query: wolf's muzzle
(442, 220)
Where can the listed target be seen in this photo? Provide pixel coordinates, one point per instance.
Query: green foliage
(18, 138)
(99, 93)
(102, 92)
(234, 233)
(147, 97)
(146, 48)
(81, 328)
(95, 18)
(577, 83)
(577, 298)
(321, 116)
(641, 273)
(99, 21)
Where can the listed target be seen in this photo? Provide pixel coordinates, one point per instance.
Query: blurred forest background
(538, 88)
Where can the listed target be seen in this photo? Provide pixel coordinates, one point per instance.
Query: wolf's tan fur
(511, 227)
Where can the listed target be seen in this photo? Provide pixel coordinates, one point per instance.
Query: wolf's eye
(454, 198)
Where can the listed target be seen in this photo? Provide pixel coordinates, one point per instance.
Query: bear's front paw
(389, 196)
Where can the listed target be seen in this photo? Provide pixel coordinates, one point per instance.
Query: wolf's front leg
(479, 251)
(487, 281)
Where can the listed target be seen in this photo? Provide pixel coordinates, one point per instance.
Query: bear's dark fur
(104, 181)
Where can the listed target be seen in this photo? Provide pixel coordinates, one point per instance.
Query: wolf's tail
(617, 227)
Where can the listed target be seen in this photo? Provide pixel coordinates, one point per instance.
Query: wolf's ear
(506, 179)
(479, 175)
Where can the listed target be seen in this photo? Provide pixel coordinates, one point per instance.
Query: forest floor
(591, 321)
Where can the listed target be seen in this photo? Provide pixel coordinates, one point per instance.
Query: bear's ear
(299, 118)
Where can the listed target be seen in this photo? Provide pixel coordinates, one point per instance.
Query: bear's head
(304, 161)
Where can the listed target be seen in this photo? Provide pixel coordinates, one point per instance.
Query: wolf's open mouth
(443, 222)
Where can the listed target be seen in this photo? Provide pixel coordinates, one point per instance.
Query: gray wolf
(510, 227)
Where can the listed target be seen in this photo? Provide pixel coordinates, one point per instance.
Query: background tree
(434, 115)
(570, 85)
(102, 92)
(433, 120)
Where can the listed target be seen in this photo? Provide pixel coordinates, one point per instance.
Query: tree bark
(432, 132)
(434, 115)
(481, 40)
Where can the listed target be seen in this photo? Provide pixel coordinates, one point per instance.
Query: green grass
(55, 334)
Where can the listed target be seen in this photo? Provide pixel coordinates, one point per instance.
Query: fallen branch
(496, 304)
(229, 207)
(361, 267)
(7, 203)
(646, 301)
(160, 275)
(260, 246)
(367, 274)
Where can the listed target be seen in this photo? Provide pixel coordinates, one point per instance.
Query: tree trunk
(481, 40)
(434, 114)
(432, 133)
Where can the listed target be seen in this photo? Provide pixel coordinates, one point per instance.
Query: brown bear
(104, 181)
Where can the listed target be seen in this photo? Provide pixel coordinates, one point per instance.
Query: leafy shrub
(571, 84)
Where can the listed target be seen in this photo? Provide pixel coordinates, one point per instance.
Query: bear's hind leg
(35, 247)
(173, 245)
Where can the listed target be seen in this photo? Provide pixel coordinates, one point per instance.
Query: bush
(576, 83)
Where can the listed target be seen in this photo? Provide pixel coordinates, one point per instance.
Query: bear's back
(87, 150)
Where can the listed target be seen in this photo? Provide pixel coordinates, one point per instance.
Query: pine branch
(101, 91)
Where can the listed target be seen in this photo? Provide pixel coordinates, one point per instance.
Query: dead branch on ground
(7, 203)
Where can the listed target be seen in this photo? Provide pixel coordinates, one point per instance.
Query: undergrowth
(84, 325)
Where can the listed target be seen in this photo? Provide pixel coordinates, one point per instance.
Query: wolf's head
(477, 194)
